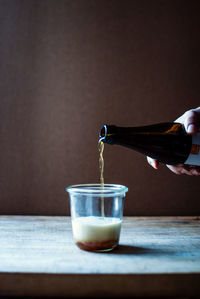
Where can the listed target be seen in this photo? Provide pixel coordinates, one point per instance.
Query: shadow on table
(134, 250)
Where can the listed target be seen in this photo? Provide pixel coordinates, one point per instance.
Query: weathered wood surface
(157, 256)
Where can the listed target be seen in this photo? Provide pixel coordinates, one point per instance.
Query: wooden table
(157, 256)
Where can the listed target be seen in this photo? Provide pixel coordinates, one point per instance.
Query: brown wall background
(67, 67)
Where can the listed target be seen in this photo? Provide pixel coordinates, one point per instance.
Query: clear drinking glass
(96, 215)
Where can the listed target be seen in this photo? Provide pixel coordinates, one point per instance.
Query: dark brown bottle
(166, 142)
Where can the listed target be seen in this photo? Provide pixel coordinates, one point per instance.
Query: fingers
(153, 163)
(185, 169)
(179, 169)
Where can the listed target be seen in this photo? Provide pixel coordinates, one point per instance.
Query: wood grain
(156, 256)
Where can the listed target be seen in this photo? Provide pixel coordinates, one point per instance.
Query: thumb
(191, 122)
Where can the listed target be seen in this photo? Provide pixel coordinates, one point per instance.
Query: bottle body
(166, 142)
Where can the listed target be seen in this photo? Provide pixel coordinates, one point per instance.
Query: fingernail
(154, 165)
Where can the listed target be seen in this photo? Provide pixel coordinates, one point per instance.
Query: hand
(191, 121)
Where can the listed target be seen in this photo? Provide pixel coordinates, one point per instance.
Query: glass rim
(107, 190)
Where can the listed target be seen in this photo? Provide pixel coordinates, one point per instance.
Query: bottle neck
(109, 133)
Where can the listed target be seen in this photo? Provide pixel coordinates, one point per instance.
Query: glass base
(103, 246)
(106, 250)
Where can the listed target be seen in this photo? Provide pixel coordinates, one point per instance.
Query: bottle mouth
(107, 134)
(103, 132)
